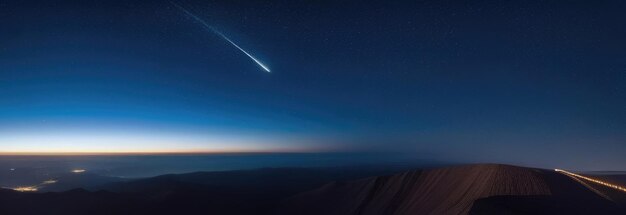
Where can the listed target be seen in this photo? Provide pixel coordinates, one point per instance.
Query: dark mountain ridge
(470, 189)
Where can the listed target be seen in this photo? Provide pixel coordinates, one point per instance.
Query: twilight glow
(439, 80)
(84, 141)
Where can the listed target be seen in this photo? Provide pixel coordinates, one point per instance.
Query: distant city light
(34, 188)
(26, 189)
(78, 170)
(52, 181)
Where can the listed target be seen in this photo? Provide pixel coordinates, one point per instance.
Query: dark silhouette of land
(470, 189)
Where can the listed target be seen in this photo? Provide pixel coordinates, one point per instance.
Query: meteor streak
(211, 29)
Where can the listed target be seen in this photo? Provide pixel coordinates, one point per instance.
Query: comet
(215, 31)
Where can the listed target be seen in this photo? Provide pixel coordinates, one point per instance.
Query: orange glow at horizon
(152, 152)
(95, 152)
(106, 142)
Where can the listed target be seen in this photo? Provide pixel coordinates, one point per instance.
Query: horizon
(504, 82)
(282, 107)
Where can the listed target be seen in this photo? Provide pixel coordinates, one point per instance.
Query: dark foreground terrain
(471, 189)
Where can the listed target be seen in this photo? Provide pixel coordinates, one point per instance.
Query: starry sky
(525, 82)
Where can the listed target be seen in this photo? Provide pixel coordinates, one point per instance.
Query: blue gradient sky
(501, 81)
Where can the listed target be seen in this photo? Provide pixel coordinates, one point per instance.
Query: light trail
(617, 187)
(245, 52)
(211, 29)
(589, 187)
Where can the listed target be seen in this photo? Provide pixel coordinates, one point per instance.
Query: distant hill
(87, 181)
(471, 189)
(227, 192)
(497, 189)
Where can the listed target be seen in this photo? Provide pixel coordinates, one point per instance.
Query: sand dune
(472, 189)
(439, 191)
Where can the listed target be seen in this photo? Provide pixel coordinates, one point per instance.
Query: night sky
(525, 82)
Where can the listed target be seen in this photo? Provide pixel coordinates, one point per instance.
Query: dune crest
(449, 190)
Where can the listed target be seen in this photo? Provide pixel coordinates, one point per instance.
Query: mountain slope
(255, 191)
(472, 189)
(451, 190)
